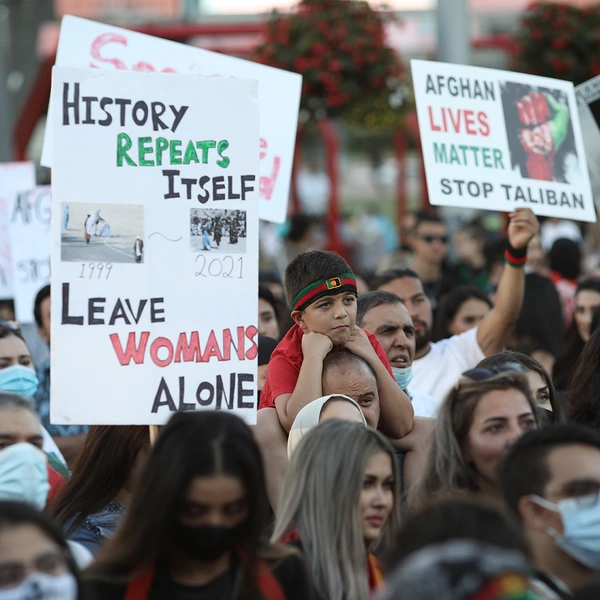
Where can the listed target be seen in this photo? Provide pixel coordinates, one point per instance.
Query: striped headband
(345, 282)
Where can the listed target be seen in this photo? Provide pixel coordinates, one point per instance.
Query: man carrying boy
(322, 293)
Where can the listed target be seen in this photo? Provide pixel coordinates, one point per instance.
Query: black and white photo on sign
(108, 233)
(217, 230)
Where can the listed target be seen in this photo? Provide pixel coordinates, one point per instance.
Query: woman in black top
(194, 525)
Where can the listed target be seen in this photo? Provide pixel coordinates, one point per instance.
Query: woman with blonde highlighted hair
(488, 410)
(339, 502)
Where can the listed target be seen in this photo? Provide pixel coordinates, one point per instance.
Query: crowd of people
(425, 431)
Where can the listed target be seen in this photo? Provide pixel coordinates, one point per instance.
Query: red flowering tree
(339, 48)
(558, 40)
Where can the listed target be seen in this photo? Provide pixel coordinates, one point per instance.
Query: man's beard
(422, 337)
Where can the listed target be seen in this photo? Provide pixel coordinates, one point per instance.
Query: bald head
(348, 374)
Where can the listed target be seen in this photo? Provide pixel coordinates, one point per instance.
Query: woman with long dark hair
(462, 309)
(93, 502)
(194, 525)
(587, 299)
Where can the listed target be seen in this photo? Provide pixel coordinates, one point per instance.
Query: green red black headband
(345, 282)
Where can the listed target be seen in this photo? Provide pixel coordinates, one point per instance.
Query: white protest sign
(30, 247)
(14, 177)
(499, 140)
(154, 278)
(588, 103)
(85, 43)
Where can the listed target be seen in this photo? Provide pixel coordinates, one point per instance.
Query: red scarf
(139, 588)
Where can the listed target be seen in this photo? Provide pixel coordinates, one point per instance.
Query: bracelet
(515, 257)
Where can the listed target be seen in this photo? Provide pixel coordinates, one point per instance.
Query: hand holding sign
(522, 227)
(542, 135)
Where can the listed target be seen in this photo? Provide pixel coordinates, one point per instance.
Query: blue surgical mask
(581, 523)
(19, 379)
(24, 474)
(43, 587)
(403, 376)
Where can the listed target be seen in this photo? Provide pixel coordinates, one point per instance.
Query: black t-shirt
(291, 573)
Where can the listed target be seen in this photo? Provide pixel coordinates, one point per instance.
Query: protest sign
(30, 247)
(588, 104)
(498, 140)
(154, 277)
(14, 177)
(85, 43)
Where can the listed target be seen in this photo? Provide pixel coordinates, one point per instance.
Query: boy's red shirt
(285, 363)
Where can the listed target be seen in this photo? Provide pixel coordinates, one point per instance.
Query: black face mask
(207, 542)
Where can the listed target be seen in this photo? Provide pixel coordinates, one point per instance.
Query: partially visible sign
(588, 103)
(30, 247)
(87, 44)
(14, 177)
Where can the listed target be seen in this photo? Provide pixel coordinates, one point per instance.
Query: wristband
(515, 257)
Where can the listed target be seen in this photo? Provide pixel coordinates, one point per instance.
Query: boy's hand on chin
(360, 345)
(316, 344)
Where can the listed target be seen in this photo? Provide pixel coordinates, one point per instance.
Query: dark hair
(345, 358)
(37, 306)
(300, 225)
(565, 258)
(424, 217)
(595, 320)
(530, 364)
(583, 396)
(193, 444)
(269, 277)
(267, 295)
(474, 230)
(524, 471)
(312, 266)
(468, 517)
(6, 331)
(370, 300)
(451, 305)
(15, 514)
(573, 343)
(101, 469)
(391, 275)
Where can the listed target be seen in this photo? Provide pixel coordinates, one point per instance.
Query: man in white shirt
(437, 366)
(384, 315)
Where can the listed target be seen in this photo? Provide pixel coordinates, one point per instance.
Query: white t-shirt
(436, 373)
(423, 405)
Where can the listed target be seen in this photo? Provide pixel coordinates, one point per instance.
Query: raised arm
(494, 329)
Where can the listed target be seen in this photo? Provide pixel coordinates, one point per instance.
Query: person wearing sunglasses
(485, 413)
(437, 365)
(430, 246)
(550, 481)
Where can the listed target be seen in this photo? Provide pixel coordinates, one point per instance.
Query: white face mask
(39, 586)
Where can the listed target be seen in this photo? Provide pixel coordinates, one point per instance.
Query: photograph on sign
(85, 43)
(101, 232)
(499, 140)
(217, 230)
(177, 331)
(30, 243)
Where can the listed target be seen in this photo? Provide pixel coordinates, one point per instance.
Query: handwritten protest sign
(88, 44)
(499, 140)
(588, 103)
(14, 177)
(30, 247)
(154, 277)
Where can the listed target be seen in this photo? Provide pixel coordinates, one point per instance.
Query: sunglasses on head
(430, 238)
(12, 325)
(485, 373)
